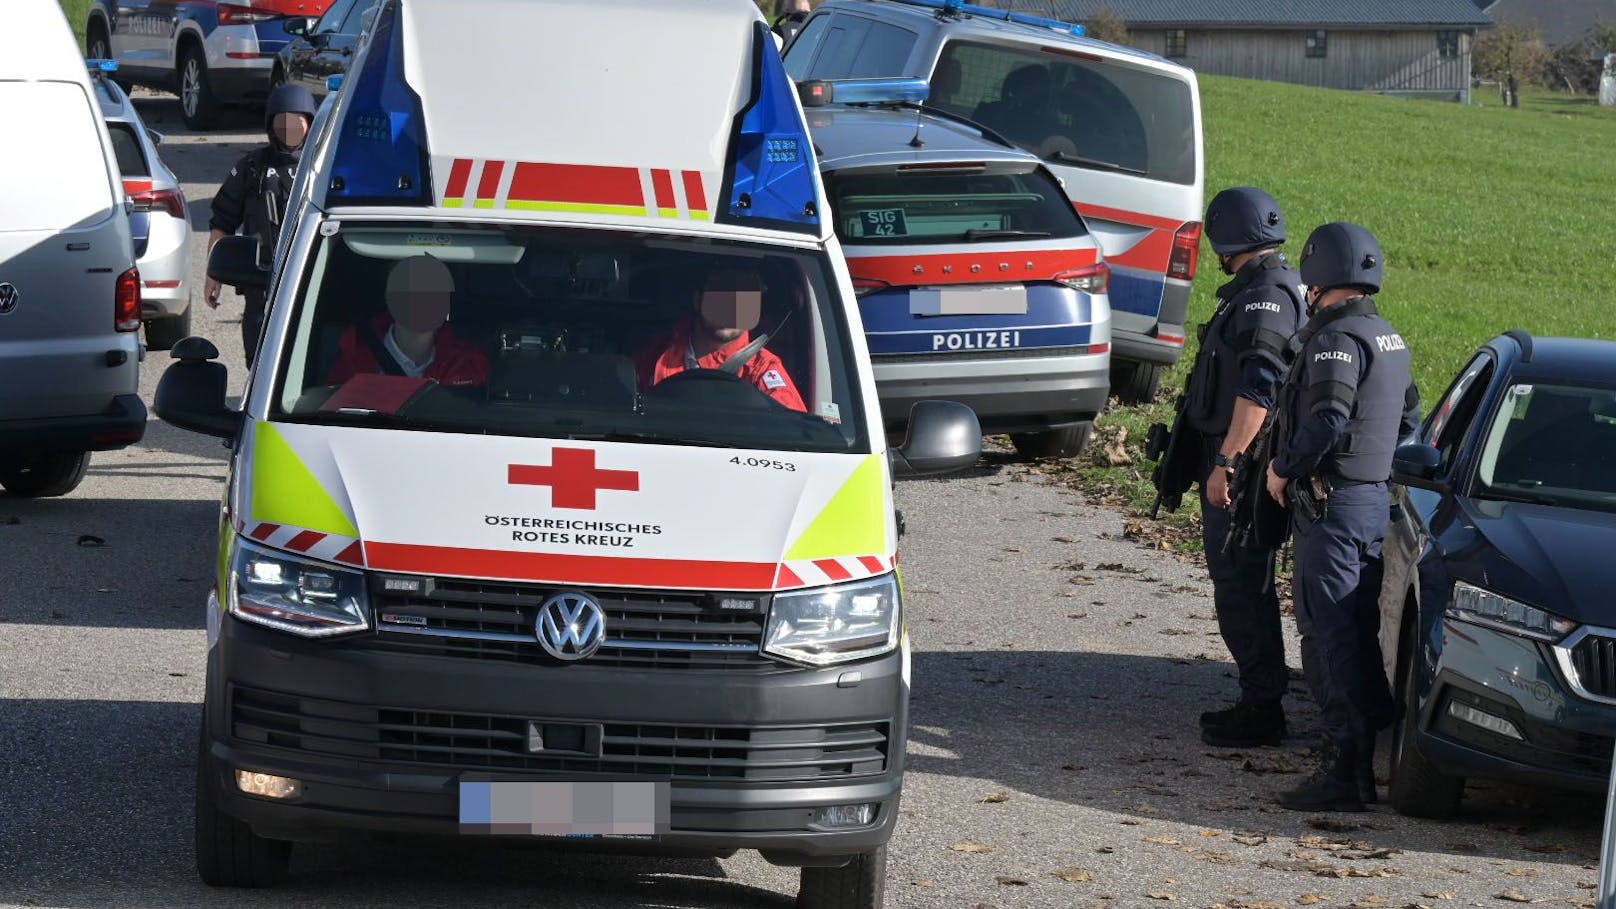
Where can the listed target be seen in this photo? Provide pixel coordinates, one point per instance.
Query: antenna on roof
(917, 142)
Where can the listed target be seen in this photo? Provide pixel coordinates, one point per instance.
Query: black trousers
(252, 322)
(1246, 603)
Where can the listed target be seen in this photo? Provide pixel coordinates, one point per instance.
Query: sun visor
(482, 247)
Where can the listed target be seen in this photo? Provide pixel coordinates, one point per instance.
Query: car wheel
(228, 853)
(44, 476)
(1136, 383)
(1057, 443)
(96, 44)
(1417, 787)
(199, 106)
(164, 333)
(859, 884)
(277, 78)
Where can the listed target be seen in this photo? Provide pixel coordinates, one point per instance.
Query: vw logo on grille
(8, 298)
(571, 626)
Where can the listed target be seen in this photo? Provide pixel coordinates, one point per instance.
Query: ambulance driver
(727, 309)
(412, 338)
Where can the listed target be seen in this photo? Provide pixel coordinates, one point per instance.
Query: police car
(1121, 127)
(211, 53)
(977, 281)
(560, 504)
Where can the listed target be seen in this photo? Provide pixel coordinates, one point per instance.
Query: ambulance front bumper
(382, 742)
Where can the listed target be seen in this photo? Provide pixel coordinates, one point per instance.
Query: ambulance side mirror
(190, 394)
(234, 261)
(944, 437)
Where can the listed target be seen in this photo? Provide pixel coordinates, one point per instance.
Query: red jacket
(454, 362)
(764, 370)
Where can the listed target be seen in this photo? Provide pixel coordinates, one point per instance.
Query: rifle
(1178, 456)
(1255, 519)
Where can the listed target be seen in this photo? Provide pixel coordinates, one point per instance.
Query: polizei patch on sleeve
(1341, 355)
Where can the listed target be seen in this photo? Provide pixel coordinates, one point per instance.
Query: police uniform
(252, 200)
(1348, 400)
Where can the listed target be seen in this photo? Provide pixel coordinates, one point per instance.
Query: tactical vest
(1216, 373)
(270, 174)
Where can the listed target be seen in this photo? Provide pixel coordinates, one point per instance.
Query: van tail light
(126, 302)
(1186, 251)
(244, 14)
(170, 201)
(865, 286)
(1091, 279)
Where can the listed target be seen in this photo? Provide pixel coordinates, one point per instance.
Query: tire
(1417, 787)
(44, 476)
(1136, 383)
(97, 46)
(228, 853)
(199, 106)
(859, 884)
(1056, 443)
(164, 333)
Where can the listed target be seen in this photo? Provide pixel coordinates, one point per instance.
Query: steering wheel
(723, 384)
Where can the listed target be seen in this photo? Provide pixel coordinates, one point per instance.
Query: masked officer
(1229, 393)
(1342, 409)
(254, 196)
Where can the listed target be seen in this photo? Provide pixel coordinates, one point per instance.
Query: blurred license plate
(564, 809)
(968, 301)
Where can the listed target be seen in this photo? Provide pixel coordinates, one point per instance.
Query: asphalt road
(1054, 759)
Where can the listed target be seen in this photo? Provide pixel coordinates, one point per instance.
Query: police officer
(1227, 398)
(254, 196)
(792, 15)
(1342, 409)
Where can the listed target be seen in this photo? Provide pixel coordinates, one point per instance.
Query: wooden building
(1416, 48)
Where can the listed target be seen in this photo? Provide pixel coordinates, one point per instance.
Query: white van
(560, 505)
(1120, 127)
(69, 292)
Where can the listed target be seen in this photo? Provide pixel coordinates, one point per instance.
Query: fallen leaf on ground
(1010, 881)
(1440, 894)
(1219, 858)
(922, 883)
(1162, 895)
(994, 798)
(1521, 872)
(1309, 899)
(1163, 840)
(1250, 839)
(1513, 896)
(1372, 901)
(970, 847)
(1074, 875)
(1333, 825)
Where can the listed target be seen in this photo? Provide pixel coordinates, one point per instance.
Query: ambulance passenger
(413, 338)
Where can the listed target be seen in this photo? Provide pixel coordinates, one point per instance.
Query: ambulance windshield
(583, 334)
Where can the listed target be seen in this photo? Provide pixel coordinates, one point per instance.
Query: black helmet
(1342, 255)
(1244, 218)
(288, 98)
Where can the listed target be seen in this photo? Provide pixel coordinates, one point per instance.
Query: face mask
(419, 311)
(732, 309)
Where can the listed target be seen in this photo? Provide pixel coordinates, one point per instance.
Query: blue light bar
(381, 156)
(333, 82)
(878, 91)
(772, 180)
(956, 8)
(96, 64)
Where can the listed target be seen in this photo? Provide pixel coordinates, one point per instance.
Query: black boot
(1220, 717)
(1366, 770)
(1333, 787)
(1250, 724)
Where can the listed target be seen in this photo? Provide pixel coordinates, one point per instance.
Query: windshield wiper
(1079, 160)
(1528, 498)
(991, 234)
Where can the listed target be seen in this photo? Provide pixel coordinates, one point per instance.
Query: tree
(1107, 25)
(1512, 53)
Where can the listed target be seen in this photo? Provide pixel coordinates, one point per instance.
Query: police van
(1121, 128)
(559, 505)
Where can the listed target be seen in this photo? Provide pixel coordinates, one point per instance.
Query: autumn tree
(1107, 25)
(1512, 53)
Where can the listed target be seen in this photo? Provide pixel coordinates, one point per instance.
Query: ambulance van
(559, 506)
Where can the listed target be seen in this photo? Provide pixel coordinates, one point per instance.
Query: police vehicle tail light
(863, 287)
(1483, 607)
(1186, 251)
(287, 593)
(244, 14)
(126, 302)
(1091, 279)
(836, 624)
(169, 201)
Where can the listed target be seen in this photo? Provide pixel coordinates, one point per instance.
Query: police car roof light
(772, 178)
(866, 91)
(333, 82)
(381, 155)
(956, 7)
(96, 64)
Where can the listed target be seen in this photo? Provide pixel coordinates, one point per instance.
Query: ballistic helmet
(1243, 218)
(1341, 254)
(288, 98)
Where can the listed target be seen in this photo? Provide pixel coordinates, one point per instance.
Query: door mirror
(944, 437)
(1417, 465)
(190, 394)
(299, 26)
(155, 136)
(234, 261)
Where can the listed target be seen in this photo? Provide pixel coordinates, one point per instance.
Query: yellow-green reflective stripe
(285, 492)
(854, 522)
(453, 203)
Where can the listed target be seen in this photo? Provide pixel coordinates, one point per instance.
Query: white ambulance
(559, 505)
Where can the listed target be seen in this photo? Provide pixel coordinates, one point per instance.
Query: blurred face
(730, 305)
(418, 293)
(290, 129)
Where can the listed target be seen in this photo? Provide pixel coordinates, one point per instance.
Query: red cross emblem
(573, 479)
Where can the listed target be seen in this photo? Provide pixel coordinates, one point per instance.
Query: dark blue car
(1499, 624)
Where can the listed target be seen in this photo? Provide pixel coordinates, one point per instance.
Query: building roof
(1560, 21)
(1268, 13)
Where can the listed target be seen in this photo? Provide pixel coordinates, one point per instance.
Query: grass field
(1490, 219)
(78, 12)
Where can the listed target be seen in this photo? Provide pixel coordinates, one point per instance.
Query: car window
(801, 51)
(354, 22)
(1449, 431)
(859, 48)
(331, 21)
(126, 146)
(58, 178)
(573, 333)
(928, 206)
(1553, 444)
(1435, 431)
(1072, 110)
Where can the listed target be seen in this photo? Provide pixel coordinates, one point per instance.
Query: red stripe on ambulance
(459, 176)
(584, 184)
(611, 571)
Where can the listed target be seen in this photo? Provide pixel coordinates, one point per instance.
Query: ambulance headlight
(835, 624)
(296, 595)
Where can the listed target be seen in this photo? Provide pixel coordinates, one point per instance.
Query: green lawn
(1490, 218)
(78, 12)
